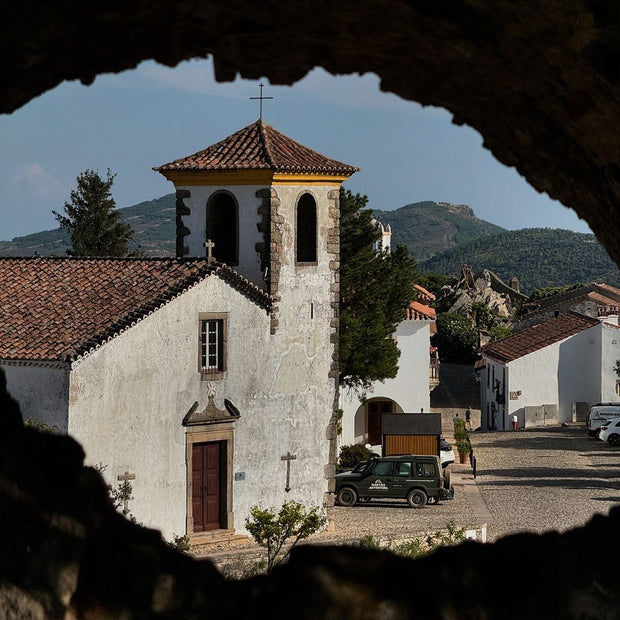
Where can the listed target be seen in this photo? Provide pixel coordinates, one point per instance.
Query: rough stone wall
(182, 231)
(539, 80)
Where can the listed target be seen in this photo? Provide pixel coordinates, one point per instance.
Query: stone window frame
(222, 318)
(298, 262)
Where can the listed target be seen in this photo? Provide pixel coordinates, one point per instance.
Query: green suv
(410, 477)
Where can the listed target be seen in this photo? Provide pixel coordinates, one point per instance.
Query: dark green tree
(455, 338)
(92, 220)
(375, 290)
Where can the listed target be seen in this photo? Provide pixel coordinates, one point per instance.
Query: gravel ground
(553, 478)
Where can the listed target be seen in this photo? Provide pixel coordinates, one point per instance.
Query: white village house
(549, 373)
(409, 391)
(214, 385)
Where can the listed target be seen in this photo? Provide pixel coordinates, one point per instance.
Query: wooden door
(206, 486)
(376, 408)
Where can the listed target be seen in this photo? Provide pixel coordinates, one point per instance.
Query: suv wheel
(347, 497)
(614, 439)
(417, 498)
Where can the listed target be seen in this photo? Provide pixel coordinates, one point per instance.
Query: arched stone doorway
(368, 419)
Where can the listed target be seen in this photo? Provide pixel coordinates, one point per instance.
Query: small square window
(212, 354)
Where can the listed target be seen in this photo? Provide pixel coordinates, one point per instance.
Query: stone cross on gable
(209, 245)
(288, 458)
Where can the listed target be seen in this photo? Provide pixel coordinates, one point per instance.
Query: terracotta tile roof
(57, 309)
(602, 300)
(424, 292)
(417, 310)
(259, 147)
(599, 293)
(538, 337)
(612, 291)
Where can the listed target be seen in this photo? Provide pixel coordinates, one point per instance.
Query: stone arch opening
(306, 229)
(222, 227)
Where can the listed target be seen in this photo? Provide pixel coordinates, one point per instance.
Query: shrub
(463, 446)
(459, 430)
(180, 542)
(41, 426)
(272, 531)
(420, 545)
(351, 455)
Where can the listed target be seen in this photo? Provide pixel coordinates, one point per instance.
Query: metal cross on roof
(260, 98)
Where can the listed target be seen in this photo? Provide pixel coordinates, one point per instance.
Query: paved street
(533, 480)
(528, 480)
(541, 479)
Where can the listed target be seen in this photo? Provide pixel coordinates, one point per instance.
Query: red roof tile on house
(57, 309)
(417, 310)
(259, 147)
(538, 337)
(424, 292)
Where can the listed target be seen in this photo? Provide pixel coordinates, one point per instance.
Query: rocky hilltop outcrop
(486, 288)
(464, 210)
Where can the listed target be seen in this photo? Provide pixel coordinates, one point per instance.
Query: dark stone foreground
(66, 553)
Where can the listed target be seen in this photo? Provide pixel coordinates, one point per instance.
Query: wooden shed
(410, 433)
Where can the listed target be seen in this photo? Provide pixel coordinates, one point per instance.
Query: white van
(599, 414)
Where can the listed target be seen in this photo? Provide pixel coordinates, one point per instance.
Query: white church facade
(210, 378)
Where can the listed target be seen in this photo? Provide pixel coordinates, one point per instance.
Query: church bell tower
(261, 203)
(267, 207)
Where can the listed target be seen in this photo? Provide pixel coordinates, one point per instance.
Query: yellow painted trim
(224, 177)
(250, 177)
(283, 178)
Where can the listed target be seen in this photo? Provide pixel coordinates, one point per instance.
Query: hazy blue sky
(139, 119)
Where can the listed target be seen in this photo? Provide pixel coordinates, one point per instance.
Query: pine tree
(375, 290)
(92, 219)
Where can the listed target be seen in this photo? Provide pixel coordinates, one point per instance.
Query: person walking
(468, 419)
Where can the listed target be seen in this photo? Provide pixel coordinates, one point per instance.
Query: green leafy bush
(41, 426)
(272, 530)
(420, 545)
(463, 446)
(456, 338)
(353, 454)
(459, 430)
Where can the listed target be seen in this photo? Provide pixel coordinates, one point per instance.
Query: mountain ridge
(441, 236)
(429, 227)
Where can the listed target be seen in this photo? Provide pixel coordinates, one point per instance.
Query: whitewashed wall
(135, 391)
(249, 236)
(41, 391)
(409, 389)
(610, 354)
(299, 399)
(560, 374)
